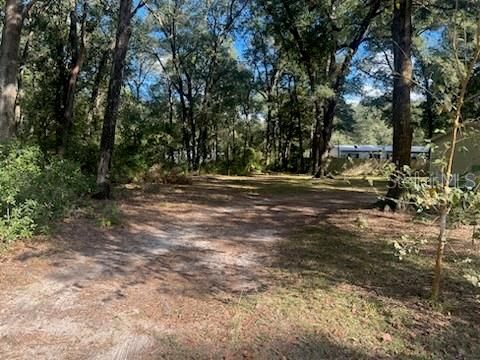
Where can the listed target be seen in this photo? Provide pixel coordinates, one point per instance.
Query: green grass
(340, 294)
(292, 185)
(333, 291)
(106, 213)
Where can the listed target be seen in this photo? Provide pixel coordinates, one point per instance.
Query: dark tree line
(226, 85)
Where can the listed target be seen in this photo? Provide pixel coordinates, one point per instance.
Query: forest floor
(236, 268)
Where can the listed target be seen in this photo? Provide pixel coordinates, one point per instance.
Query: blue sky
(432, 38)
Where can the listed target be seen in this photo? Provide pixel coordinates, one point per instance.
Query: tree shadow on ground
(213, 237)
(330, 256)
(225, 238)
(299, 346)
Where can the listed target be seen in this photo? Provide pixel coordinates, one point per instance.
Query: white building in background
(380, 152)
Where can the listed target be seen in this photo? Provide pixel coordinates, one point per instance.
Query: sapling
(445, 194)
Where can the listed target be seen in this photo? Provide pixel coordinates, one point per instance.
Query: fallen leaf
(386, 337)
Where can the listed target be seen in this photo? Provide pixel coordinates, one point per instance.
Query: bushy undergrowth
(164, 175)
(33, 192)
(249, 163)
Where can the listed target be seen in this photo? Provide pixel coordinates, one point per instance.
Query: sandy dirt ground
(160, 280)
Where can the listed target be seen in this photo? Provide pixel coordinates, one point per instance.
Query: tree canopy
(226, 85)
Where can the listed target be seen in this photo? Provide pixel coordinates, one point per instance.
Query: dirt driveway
(160, 280)
(236, 268)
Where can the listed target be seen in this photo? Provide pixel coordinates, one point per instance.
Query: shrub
(33, 192)
(247, 164)
(109, 216)
(174, 176)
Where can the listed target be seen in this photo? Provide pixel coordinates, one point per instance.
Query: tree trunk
(78, 50)
(272, 80)
(9, 52)
(192, 124)
(21, 71)
(216, 146)
(429, 116)
(442, 238)
(268, 135)
(402, 83)
(95, 98)
(298, 117)
(171, 115)
(329, 111)
(113, 99)
(337, 74)
(317, 136)
(203, 144)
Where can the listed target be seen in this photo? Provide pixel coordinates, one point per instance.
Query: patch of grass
(359, 184)
(297, 185)
(340, 293)
(106, 214)
(109, 216)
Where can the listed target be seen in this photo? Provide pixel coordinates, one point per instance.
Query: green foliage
(367, 124)
(33, 192)
(249, 163)
(472, 276)
(159, 174)
(19, 221)
(407, 246)
(109, 216)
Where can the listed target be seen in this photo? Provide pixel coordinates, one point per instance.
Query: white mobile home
(380, 152)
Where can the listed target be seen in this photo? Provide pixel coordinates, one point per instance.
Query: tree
(16, 11)
(125, 15)
(401, 101)
(194, 51)
(77, 49)
(338, 71)
(325, 46)
(466, 55)
(265, 60)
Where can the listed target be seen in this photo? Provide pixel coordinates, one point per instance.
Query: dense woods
(229, 86)
(225, 85)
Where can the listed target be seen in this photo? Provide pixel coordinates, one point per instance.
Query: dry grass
(240, 268)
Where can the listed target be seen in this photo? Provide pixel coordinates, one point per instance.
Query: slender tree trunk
(402, 83)
(329, 111)
(78, 52)
(113, 99)
(429, 103)
(450, 159)
(442, 239)
(268, 135)
(23, 60)
(317, 136)
(300, 144)
(9, 53)
(272, 80)
(171, 114)
(216, 154)
(185, 133)
(203, 143)
(95, 98)
(192, 124)
(245, 143)
(298, 117)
